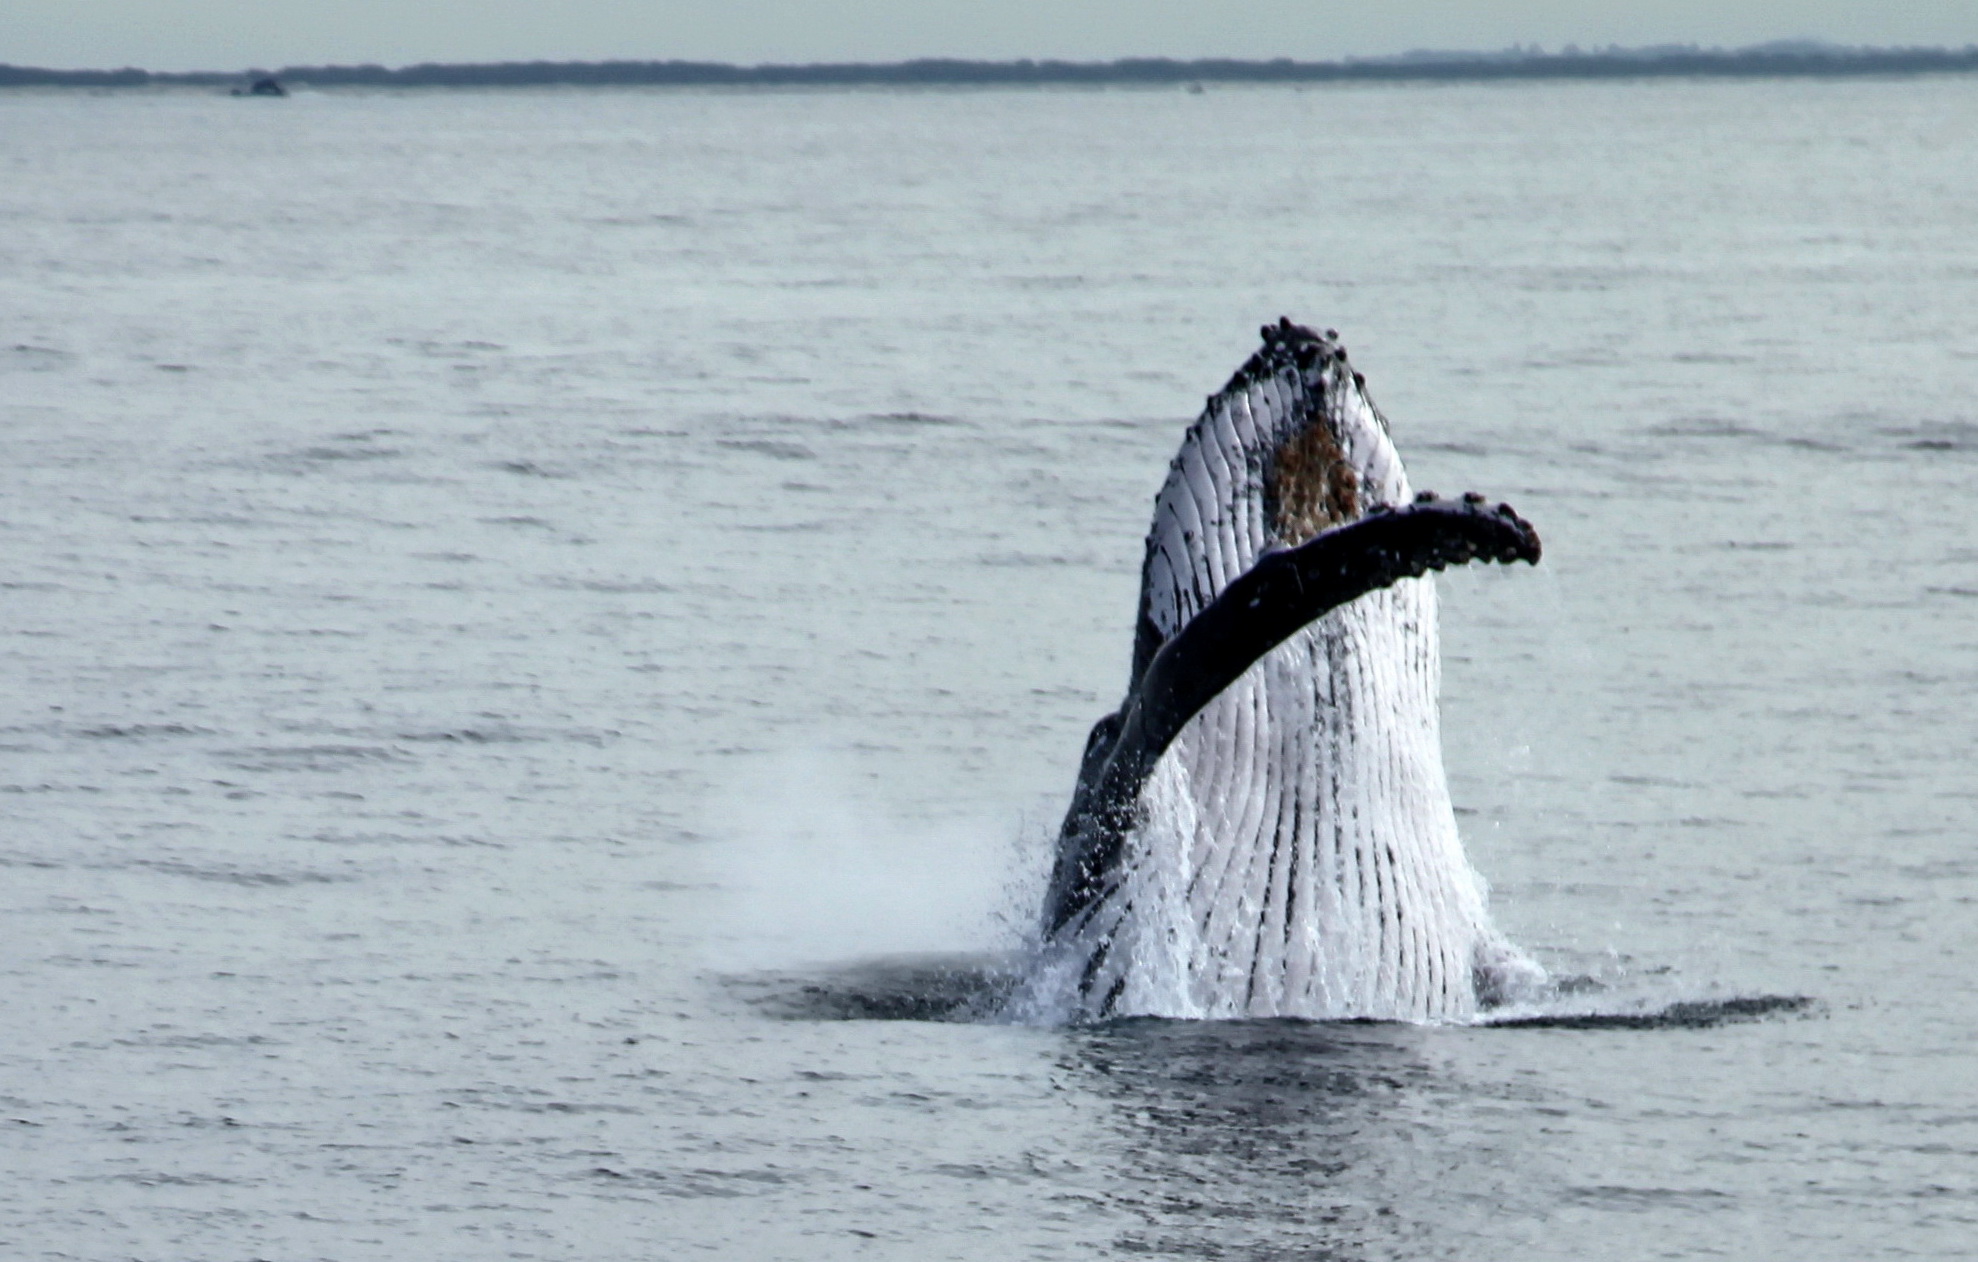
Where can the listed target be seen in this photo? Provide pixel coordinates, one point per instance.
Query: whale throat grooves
(1264, 828)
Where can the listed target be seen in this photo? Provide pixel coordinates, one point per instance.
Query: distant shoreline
(1784, 60)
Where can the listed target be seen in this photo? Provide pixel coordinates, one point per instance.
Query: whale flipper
(1263, 828)
(1257, 611)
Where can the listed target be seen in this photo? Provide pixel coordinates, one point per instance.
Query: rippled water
(513, 602)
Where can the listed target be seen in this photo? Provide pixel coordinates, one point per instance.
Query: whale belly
(1298, 853)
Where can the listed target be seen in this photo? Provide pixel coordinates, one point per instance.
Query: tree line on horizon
(1790, 58)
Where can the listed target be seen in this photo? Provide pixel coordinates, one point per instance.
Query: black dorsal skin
(1283, 592)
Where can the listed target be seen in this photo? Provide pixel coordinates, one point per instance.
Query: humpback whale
(1263, 827)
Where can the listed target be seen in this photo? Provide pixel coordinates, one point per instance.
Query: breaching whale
(1263, 828)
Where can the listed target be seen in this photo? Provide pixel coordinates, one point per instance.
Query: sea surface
(526, 617)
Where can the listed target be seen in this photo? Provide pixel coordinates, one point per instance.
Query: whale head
(1332, 461)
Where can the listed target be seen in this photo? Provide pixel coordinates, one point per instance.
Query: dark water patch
(312, 633)
(309, 757)
(515, 521)
(642, 221)
(195, 519)
(495, 734)
(333, 838)
(904, 420)
(25, 357)
(607, 586)
(529, 469)
(1067, 692)
(1274, 1046)
(815, 526)
(1695, 1014)
(445, 350)
(1936, 436)
(471, 736)
(141, 731)
(198, 1040)
(246, 878)
(1710, 357)
(775, 448)
(902, 988)
(1707, 427)
(1645, 1200)
(1703, 427)
(30, 861)
(527, 1100)
(156, 1179)
(695, 1184)
(1033, 560)
(331, 455)
(1793, 793)
(1939, 870)
(1580, 359)
(1952, 591)
(1048, 283)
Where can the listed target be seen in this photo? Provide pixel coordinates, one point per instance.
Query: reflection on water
(1256, 1139)
(1287, 1139)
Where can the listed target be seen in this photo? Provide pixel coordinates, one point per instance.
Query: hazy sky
(231, 34)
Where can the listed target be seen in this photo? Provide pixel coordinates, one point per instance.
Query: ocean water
(526, 616)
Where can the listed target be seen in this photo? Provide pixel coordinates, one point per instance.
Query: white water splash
(812, 871)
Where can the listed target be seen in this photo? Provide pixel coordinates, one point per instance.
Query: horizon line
(1778, 58)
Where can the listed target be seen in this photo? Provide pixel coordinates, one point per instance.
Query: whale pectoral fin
(1285, 591)
(1089, 845)
(1099, 743)
(1257, 611)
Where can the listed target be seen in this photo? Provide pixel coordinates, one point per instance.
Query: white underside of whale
(1298, 854)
